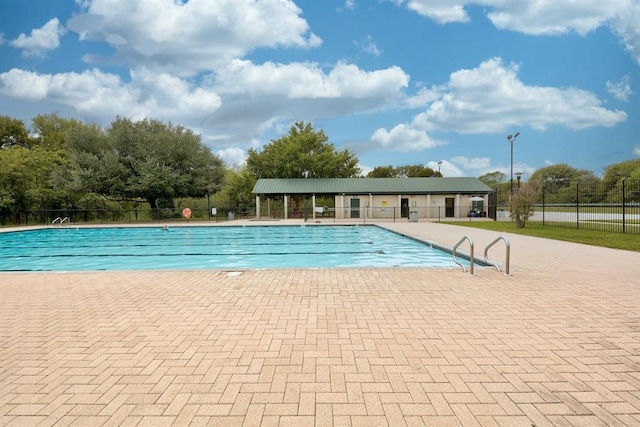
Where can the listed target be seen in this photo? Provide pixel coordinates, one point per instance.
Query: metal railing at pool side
(455, 258)
(508, 250)
(486, 250)
(60, 221)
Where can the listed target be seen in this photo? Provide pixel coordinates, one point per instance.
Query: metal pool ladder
(455, 258)
(486, 250)
(60, 221)
(506, 262)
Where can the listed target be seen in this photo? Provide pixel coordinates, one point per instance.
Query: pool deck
(555, 343)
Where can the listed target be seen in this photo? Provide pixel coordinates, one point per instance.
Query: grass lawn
(629, 242)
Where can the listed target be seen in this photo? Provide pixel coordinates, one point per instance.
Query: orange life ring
(186, 212)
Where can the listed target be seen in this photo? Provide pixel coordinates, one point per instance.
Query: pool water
(229, 247)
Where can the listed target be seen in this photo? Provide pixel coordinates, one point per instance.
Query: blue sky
(397, 82)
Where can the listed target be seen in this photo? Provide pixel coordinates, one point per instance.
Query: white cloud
(256, 97)
(402, 138)
(233, 156)
(185, 61)
(350, 4)
(636, 151)
(365, 169)
(479, 166)
(491, 98)
(96, 94)
(41, 40)
(308, 80)
(537, 17)
(369, 46)
(621, 90)
(555, 17)
(442, 11)
(625, 25)
(186, 38)
(475, 163)
(446, 168)
(423, 97)
(231, 107)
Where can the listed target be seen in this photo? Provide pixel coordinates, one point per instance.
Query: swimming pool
(228, 247)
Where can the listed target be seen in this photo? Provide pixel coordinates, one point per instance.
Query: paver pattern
(326, 347)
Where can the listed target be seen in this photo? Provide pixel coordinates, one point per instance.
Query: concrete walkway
(555, 343)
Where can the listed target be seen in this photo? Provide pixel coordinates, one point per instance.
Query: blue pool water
(230, 247)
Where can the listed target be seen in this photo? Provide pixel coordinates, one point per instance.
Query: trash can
(230, 216)
(413, 216)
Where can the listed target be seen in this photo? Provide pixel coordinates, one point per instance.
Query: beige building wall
(389, 206)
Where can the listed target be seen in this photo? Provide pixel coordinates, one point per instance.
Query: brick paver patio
(555, 343)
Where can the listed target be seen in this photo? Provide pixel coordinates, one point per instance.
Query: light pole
(518, 176)
(439, 163)
(512, 139)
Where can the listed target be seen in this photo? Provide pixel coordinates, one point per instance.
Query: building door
(493, 205)
(355, 208)
(449, 207)
(404, 208)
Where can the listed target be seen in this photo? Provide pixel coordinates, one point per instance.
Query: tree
(415, 171)
(26, 169)
(51, 130)
(407, 171)
(15, 177)
(559, 182)
(497, 181)
(25, 177)
(618, 171)
(523, 202)
(13, 132)
(236, 193)
(493, 179)
(147, 159)
(383, 172)
(554, 177)
(303, 153)
(623, 176)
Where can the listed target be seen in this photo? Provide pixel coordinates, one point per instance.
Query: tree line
(66, 164)
(559, 182)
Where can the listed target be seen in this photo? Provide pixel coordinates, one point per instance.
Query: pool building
(385, 198)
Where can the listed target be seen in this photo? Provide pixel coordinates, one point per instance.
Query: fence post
(578, 205)
(543, 190)
(624, 207)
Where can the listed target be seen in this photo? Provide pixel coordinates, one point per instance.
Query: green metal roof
(371, 185)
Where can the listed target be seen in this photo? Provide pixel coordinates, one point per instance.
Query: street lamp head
(509, 137)
(516, 135)
(518, 174)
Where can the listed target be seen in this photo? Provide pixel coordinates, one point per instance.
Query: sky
(397, 82)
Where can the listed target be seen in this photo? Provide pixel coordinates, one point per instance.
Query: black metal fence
(106, 216)
(584, 205)
(592, 206)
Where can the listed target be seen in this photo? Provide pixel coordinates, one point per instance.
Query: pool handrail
(508, 252)
(60, 221)
(471, 260)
